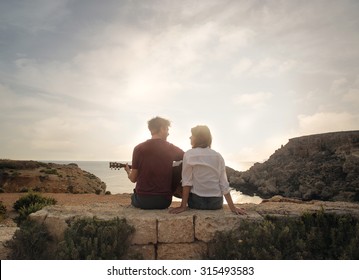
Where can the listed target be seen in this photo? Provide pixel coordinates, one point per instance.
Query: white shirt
(205, 171)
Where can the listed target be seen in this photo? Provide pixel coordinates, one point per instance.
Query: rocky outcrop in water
(23, 176)
(322, 166)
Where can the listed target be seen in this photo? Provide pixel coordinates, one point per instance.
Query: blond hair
(202, 136)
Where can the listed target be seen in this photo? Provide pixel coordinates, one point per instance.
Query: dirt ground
(8, 199)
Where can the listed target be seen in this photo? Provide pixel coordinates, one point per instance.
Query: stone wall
(158, 234)
(163, 236)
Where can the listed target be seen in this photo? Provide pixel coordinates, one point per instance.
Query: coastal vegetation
(50, 171)
(20, 164)
(27, 175)
(2, 211)
(85, 239)
(31, 203)
(94, 239)
(30, 242)
(312, 236)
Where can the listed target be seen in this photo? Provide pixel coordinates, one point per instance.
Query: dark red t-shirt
(154, 160)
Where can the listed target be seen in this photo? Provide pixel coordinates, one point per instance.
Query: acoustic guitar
(176, 186)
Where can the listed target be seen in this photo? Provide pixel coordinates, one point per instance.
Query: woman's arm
(185, 196)
(233, 208)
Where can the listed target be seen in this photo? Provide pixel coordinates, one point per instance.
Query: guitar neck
(176, 186)
(118, 165)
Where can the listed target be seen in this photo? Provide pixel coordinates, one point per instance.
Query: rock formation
(322, 167)
(23, 176)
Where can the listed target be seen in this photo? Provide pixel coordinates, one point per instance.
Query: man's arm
(132, 174)
(178, 153)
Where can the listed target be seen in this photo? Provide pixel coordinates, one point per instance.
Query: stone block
(207, 223)
(56, 218)
(147, 252)
(56, 227)
(182, 251)
(6, 234)
(175, 229)
(145, 230)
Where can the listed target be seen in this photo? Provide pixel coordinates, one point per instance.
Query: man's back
(152, 167)
(154, 159)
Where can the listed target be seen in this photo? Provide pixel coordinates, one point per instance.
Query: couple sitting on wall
(204, 179)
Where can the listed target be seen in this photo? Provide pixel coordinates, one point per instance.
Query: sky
(79, 79)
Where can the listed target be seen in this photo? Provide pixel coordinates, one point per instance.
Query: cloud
(36, 16)
(246, 155)
(327, 122)
(338, 85)
(347, 90)
(267, 67)
(242, 67)
(352, 96)
(5, 96)
(65, 137)
(254, 100)
(79, 75)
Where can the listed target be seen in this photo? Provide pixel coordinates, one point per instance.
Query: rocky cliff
(23, 176)
(322, 166)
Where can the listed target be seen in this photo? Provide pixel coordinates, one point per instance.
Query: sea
(117, 182)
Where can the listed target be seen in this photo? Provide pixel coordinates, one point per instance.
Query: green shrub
(311, 236)
(15, 174)
(2, 208)
(20, 164)
(356, 196)
(30, 242)
(90, 175)
(32, 198)
(94, 239)
(84, 239)
(70, 189)
(24, 212)
(49, 171)
(31, 203)
(2, 211)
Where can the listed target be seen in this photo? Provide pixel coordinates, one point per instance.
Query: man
(152, 163)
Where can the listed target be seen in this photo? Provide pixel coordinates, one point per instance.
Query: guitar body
(176, 177)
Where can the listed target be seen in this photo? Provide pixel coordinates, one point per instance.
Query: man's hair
(155, 124)
(202, 136)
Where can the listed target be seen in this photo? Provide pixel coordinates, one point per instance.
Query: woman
(204, 177)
